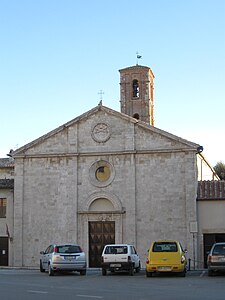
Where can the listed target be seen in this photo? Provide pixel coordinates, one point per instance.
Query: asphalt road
(32, 285)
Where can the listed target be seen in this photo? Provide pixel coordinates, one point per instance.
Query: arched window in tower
(136, 116)
(135, 88)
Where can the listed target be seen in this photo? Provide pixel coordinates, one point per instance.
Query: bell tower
(137, 93)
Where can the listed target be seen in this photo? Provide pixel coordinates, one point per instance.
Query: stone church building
(105, 177)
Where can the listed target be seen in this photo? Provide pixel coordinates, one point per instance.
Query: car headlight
(182, 259)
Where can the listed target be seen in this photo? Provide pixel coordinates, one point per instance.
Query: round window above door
(101, 173)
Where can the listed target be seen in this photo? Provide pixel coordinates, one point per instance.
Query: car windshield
(165, 247)
(67, 249)
(219, 250)
(116, 250)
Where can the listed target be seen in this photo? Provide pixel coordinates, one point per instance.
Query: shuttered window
(3, 204)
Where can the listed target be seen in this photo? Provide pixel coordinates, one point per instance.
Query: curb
(197, 271)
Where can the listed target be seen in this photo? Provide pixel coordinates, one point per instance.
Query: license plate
(115, 265)
(221, 258)
(70, 258)
(164, 268)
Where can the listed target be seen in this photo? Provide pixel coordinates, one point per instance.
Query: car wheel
(210, 272)
(83, 272)
(182, 274)
(131, 271)
(104, 272)
(138, 268)
(148, 274)
(50, 270)
(41, 268)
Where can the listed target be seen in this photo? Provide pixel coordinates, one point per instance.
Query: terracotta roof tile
(6, 162)
(211, 190)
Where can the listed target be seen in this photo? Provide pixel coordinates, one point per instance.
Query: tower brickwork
(137, 93)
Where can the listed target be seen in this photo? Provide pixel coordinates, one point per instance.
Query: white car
(216, 259)
(63, 257)
(120, 257)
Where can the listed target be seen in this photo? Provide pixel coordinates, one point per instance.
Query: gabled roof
(186, 143)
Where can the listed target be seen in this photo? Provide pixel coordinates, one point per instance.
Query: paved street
(32, 285)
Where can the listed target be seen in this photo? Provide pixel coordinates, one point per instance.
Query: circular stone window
(101, 173)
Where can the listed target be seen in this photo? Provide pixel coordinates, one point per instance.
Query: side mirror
(185, 250)
(42, 252)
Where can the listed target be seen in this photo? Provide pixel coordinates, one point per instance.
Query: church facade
(106, 177)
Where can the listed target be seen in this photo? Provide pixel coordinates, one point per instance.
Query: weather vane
(138, 57)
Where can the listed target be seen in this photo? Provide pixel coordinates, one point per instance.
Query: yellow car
(166, 256)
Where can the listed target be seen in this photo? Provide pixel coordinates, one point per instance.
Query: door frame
(4, 251)
(83, 222)
(103, 238)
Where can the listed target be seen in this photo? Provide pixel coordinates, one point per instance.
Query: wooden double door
(100, 234)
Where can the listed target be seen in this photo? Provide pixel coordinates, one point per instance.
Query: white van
(120, 257)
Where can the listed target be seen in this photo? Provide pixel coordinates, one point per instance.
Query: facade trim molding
(154, 151)
(113, 212)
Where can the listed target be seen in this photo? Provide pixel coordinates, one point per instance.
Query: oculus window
(101, 173)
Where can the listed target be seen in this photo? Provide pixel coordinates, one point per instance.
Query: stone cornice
(153, 151)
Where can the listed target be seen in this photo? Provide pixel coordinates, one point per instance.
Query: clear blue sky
(56, 55)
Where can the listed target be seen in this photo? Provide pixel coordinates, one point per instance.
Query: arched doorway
(100, 232)
(101, 223)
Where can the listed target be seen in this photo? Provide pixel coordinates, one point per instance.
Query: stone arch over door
(116, 203)
(101, 221)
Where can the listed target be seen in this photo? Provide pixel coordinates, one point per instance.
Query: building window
(101, 173)
(135, 88)
(136, 116)
(3, 202)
